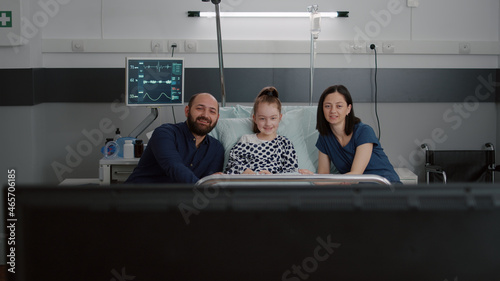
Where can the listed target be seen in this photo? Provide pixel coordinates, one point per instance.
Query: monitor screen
(154, 82)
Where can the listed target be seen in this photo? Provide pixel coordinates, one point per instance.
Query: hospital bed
(288, 179)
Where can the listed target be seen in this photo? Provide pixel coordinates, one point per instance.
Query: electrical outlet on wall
(190, 46)
(412, 3)
(375, 45)
(388, 47)
(464, 48)
(357, 48)
(156, 46)
(177, 43)
(77, 45)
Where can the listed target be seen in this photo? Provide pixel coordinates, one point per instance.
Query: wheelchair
(458, 166)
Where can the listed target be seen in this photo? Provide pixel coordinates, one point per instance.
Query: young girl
(264, 152)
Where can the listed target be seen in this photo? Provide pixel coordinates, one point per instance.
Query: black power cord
(373, 47)
(173, 48)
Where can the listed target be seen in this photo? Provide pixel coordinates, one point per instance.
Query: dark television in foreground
(258, 233)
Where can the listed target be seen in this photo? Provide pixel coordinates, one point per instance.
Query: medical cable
(373, 47)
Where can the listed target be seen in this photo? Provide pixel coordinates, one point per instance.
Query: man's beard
(198, 129)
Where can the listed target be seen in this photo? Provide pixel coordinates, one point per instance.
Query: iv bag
(315, 24)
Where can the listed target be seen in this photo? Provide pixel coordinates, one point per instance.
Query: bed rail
(213, 179)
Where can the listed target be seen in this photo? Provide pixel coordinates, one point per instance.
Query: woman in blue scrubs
(345, 141)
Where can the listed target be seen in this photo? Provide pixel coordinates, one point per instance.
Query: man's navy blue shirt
(171, 156)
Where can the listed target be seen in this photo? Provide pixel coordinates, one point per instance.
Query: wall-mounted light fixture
(338, 14)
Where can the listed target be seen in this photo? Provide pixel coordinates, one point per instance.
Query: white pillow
(295, 125)
(228, 112)
(229, 131)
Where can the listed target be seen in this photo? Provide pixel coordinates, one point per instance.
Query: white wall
(442, 20)
(434, 27)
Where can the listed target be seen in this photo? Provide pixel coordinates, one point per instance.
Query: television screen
(154, 82)
(255, 233)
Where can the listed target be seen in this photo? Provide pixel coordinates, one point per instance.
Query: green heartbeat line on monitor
(170, 98)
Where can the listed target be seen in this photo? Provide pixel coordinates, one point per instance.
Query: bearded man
(183, 152)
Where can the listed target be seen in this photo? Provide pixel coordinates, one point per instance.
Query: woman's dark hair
(268, 95)
(322, 124)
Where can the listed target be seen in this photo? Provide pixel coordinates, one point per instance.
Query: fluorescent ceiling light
(267, 14)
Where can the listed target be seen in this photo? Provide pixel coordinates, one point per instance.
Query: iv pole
(315, 29)
(219, 45)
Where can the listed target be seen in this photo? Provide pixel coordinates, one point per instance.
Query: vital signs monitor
(154, 81)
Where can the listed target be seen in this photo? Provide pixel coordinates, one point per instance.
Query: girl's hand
(305, 172)
(248, 172)
(264, 172)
